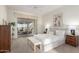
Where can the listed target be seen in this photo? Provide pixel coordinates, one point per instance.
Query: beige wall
(12, 18)
(40, 25)
(3, 14)
(70, 15)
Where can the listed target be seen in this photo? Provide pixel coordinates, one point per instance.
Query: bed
(48, 41)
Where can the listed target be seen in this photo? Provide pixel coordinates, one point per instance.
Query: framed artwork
(57, 20)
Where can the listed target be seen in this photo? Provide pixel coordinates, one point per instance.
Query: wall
(70, 15)
(12, 18)
(40, 25)
(3, 14)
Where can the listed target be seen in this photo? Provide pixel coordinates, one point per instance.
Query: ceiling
(35, 9)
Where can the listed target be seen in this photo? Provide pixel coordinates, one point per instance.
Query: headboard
(56, 29)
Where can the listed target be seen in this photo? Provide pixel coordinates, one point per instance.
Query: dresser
(5, 38)
(72, 40)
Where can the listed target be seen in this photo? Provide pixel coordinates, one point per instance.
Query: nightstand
(72, 40)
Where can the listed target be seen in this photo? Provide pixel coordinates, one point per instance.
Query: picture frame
(57, 20)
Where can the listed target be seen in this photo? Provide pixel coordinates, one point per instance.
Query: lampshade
(47, 26)
(72, 27)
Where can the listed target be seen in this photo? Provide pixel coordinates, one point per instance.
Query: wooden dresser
(72, 40)
(5, 38)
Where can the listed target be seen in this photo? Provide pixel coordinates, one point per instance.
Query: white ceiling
(35, 9)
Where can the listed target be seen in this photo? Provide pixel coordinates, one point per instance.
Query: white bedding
(50, 41)
(48, 38)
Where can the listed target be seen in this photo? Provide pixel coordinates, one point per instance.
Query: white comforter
(49, 38)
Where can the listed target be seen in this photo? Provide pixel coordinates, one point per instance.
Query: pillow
(50, 32)
(60, 32)
(68, 32)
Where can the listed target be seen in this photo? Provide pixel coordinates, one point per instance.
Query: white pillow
(50, 33)
(68, 32)
(60, 32)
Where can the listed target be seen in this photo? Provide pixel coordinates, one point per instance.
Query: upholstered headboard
(55, 30)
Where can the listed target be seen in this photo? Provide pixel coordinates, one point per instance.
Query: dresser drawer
(71, 37)
(72, 40)
(73, 43)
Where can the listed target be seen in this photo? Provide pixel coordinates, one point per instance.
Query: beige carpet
(20, 46)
